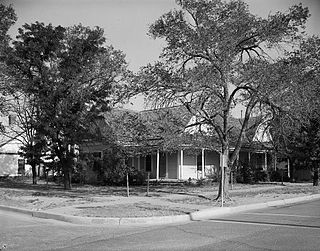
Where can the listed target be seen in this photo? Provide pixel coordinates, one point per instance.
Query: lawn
(163, 199)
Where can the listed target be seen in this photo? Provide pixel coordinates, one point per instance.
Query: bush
(260, 175)
(137, 178)
(279, 176)
(249, 174)
(117, 176)
(245, 175)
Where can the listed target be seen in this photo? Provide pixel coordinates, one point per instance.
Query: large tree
(218, 55)
(296, 126)
(72, 77)
(7, 19)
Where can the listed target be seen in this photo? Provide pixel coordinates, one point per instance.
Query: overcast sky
(126, 22)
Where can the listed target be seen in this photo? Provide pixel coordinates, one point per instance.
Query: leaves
(70, 77)
(218, 55)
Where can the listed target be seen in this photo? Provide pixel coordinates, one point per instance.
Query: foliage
(279, 176)
(249, 174)
(296, 127)
(7, 19)
(216, 57)
(72, 77)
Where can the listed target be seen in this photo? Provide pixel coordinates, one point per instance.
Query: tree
(215, 58)
(7, 19)
(23, 128)
(296, 126)
(72, 78)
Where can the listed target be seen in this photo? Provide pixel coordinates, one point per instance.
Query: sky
(126, 22)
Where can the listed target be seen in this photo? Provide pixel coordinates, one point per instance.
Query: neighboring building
(11, 163)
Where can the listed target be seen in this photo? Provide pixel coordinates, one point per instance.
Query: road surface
(295, 227)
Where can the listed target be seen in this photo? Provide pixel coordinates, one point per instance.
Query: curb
(204, 214)
(212, 212)
(111, 221)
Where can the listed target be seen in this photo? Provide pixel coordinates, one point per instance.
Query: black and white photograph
(159, 125)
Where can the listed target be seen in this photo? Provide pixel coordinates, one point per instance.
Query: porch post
(138, 163)
(288, 167)
(158, 163)
(167, 166)
(265, 161)
(202, 163)
(181, 164)
(178, 166)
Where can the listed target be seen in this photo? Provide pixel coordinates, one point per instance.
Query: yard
(163, 199)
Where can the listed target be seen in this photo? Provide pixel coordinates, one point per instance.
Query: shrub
(279, 176)
(116, 175)
(249, 174)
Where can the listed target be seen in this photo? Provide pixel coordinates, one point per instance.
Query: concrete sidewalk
(202, 214)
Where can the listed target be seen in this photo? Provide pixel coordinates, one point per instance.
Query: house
(195, 163)
(11, 163)
(185, 159)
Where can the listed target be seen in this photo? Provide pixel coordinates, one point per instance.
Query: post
(288, 161)
(167, 166)
(222, 181)
(148, 183)
(181, 164)
(128, 185)
(202, 163)
(178, 167)
(158, 164)
(265, 161)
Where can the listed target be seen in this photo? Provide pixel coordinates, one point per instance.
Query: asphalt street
(294, 227)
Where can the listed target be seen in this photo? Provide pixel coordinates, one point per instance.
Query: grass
(111, 201)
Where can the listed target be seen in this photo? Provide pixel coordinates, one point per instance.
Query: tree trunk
(34, 173)
(316, 176)
(67, 173)
(224, 180)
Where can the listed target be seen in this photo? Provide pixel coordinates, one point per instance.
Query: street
(295, 227)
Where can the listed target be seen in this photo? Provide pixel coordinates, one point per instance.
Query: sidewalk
(163, 206)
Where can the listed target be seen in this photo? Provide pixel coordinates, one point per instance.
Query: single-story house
(194, 161)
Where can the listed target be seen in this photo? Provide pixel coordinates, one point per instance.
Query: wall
(9, 164)
(172, 165)
(189, 166)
